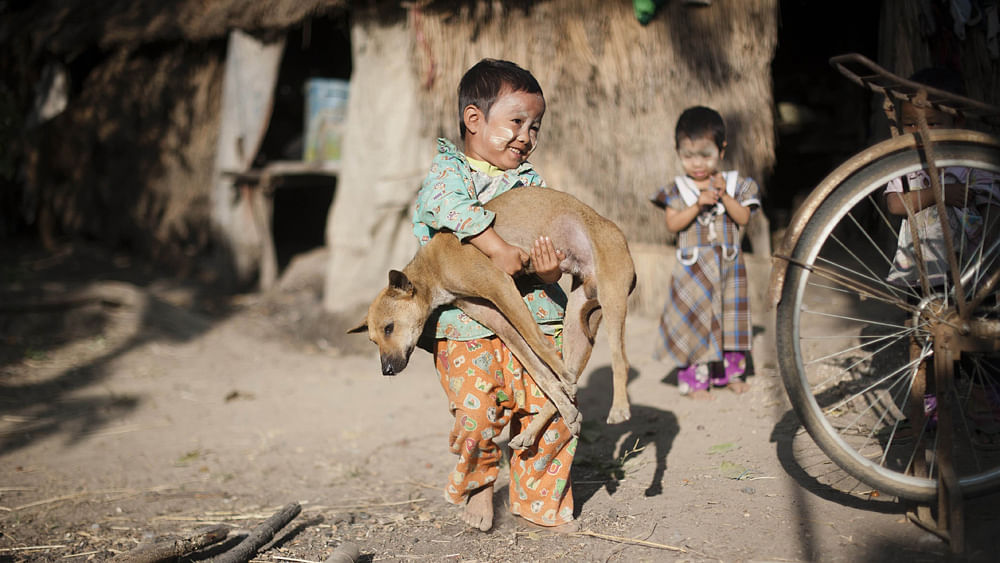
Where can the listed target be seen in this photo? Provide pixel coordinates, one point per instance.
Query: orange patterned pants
(487, 390)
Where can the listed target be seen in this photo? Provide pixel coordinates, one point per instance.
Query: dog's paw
(575, 426)
(522, 441)
(619, 415)
(573, 422)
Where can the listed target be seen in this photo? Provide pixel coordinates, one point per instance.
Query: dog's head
(395, 320)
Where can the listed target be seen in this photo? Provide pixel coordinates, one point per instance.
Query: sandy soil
(149, 408)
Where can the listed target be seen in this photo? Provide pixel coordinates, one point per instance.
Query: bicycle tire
(847, 408)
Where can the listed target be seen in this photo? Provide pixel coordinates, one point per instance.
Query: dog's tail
(590, 318)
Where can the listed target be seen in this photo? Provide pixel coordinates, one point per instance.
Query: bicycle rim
(849, 342)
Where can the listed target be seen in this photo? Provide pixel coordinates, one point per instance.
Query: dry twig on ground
(168, 550)
(245, 550)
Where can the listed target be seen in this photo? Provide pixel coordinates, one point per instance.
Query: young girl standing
(706, 326)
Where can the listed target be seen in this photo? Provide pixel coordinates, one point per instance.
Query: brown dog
(445, 271)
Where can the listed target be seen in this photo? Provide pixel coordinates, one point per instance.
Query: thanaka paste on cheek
(501, 140)
(508, 106)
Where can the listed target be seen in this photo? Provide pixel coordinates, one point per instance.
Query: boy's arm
(444, 202)
(508, 258)
(918, 200)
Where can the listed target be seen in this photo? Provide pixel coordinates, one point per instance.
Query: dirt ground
(137, 407)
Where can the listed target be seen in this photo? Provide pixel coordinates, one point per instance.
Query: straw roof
(65, 26)
(613, 87)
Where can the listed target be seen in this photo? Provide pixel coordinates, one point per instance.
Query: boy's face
(935, 119)
(699, 157)
(507, 136)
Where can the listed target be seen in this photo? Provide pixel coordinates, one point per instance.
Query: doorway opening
(822, 118)
(318, 49)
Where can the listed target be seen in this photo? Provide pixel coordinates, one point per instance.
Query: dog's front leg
(559, 392)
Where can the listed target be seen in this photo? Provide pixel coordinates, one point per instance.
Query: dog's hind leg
(529, 434)
(614, 305)
(579, 328)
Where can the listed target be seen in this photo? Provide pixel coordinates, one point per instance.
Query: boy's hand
(510, 259)
(955, 196)
(545, 260)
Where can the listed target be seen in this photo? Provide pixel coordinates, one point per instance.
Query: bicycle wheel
(850, 343)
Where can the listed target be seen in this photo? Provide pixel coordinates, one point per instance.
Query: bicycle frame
(825, 372)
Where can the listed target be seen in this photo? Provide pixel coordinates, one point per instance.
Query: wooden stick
(50, 500)
(629, 540)
(81, 554)
(169, 550)
(246, 549)
(30, 548)
(375, 505)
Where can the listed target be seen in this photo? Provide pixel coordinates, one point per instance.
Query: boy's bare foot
(738, 386)
(478, 511)
(701, 395)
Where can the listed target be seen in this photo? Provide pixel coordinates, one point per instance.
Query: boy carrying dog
(500, 113)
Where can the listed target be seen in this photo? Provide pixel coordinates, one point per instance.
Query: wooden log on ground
(347, 552)
(170, 550)
(245, 550)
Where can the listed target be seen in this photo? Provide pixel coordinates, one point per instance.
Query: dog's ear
(398, 280)
(363, 327)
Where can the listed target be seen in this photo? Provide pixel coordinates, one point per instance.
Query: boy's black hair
(483, 83)
(698, 122)
(942, 78)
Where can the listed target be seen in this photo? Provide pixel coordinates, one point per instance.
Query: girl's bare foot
(478, 511)
(738, 386)
(701, 395)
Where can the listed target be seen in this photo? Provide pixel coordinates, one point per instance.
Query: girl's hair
(482, 84)
(698, 122)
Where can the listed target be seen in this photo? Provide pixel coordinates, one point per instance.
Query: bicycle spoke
(861, 323)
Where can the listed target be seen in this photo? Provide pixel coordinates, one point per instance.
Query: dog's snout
(394, 364)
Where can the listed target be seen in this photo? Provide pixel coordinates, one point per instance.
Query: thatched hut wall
(385, 156)
(129, 160)
(614, 88)
(916, 35)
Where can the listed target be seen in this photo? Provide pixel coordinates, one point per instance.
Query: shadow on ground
(817, 475)
(607, 452)
(65, 319)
